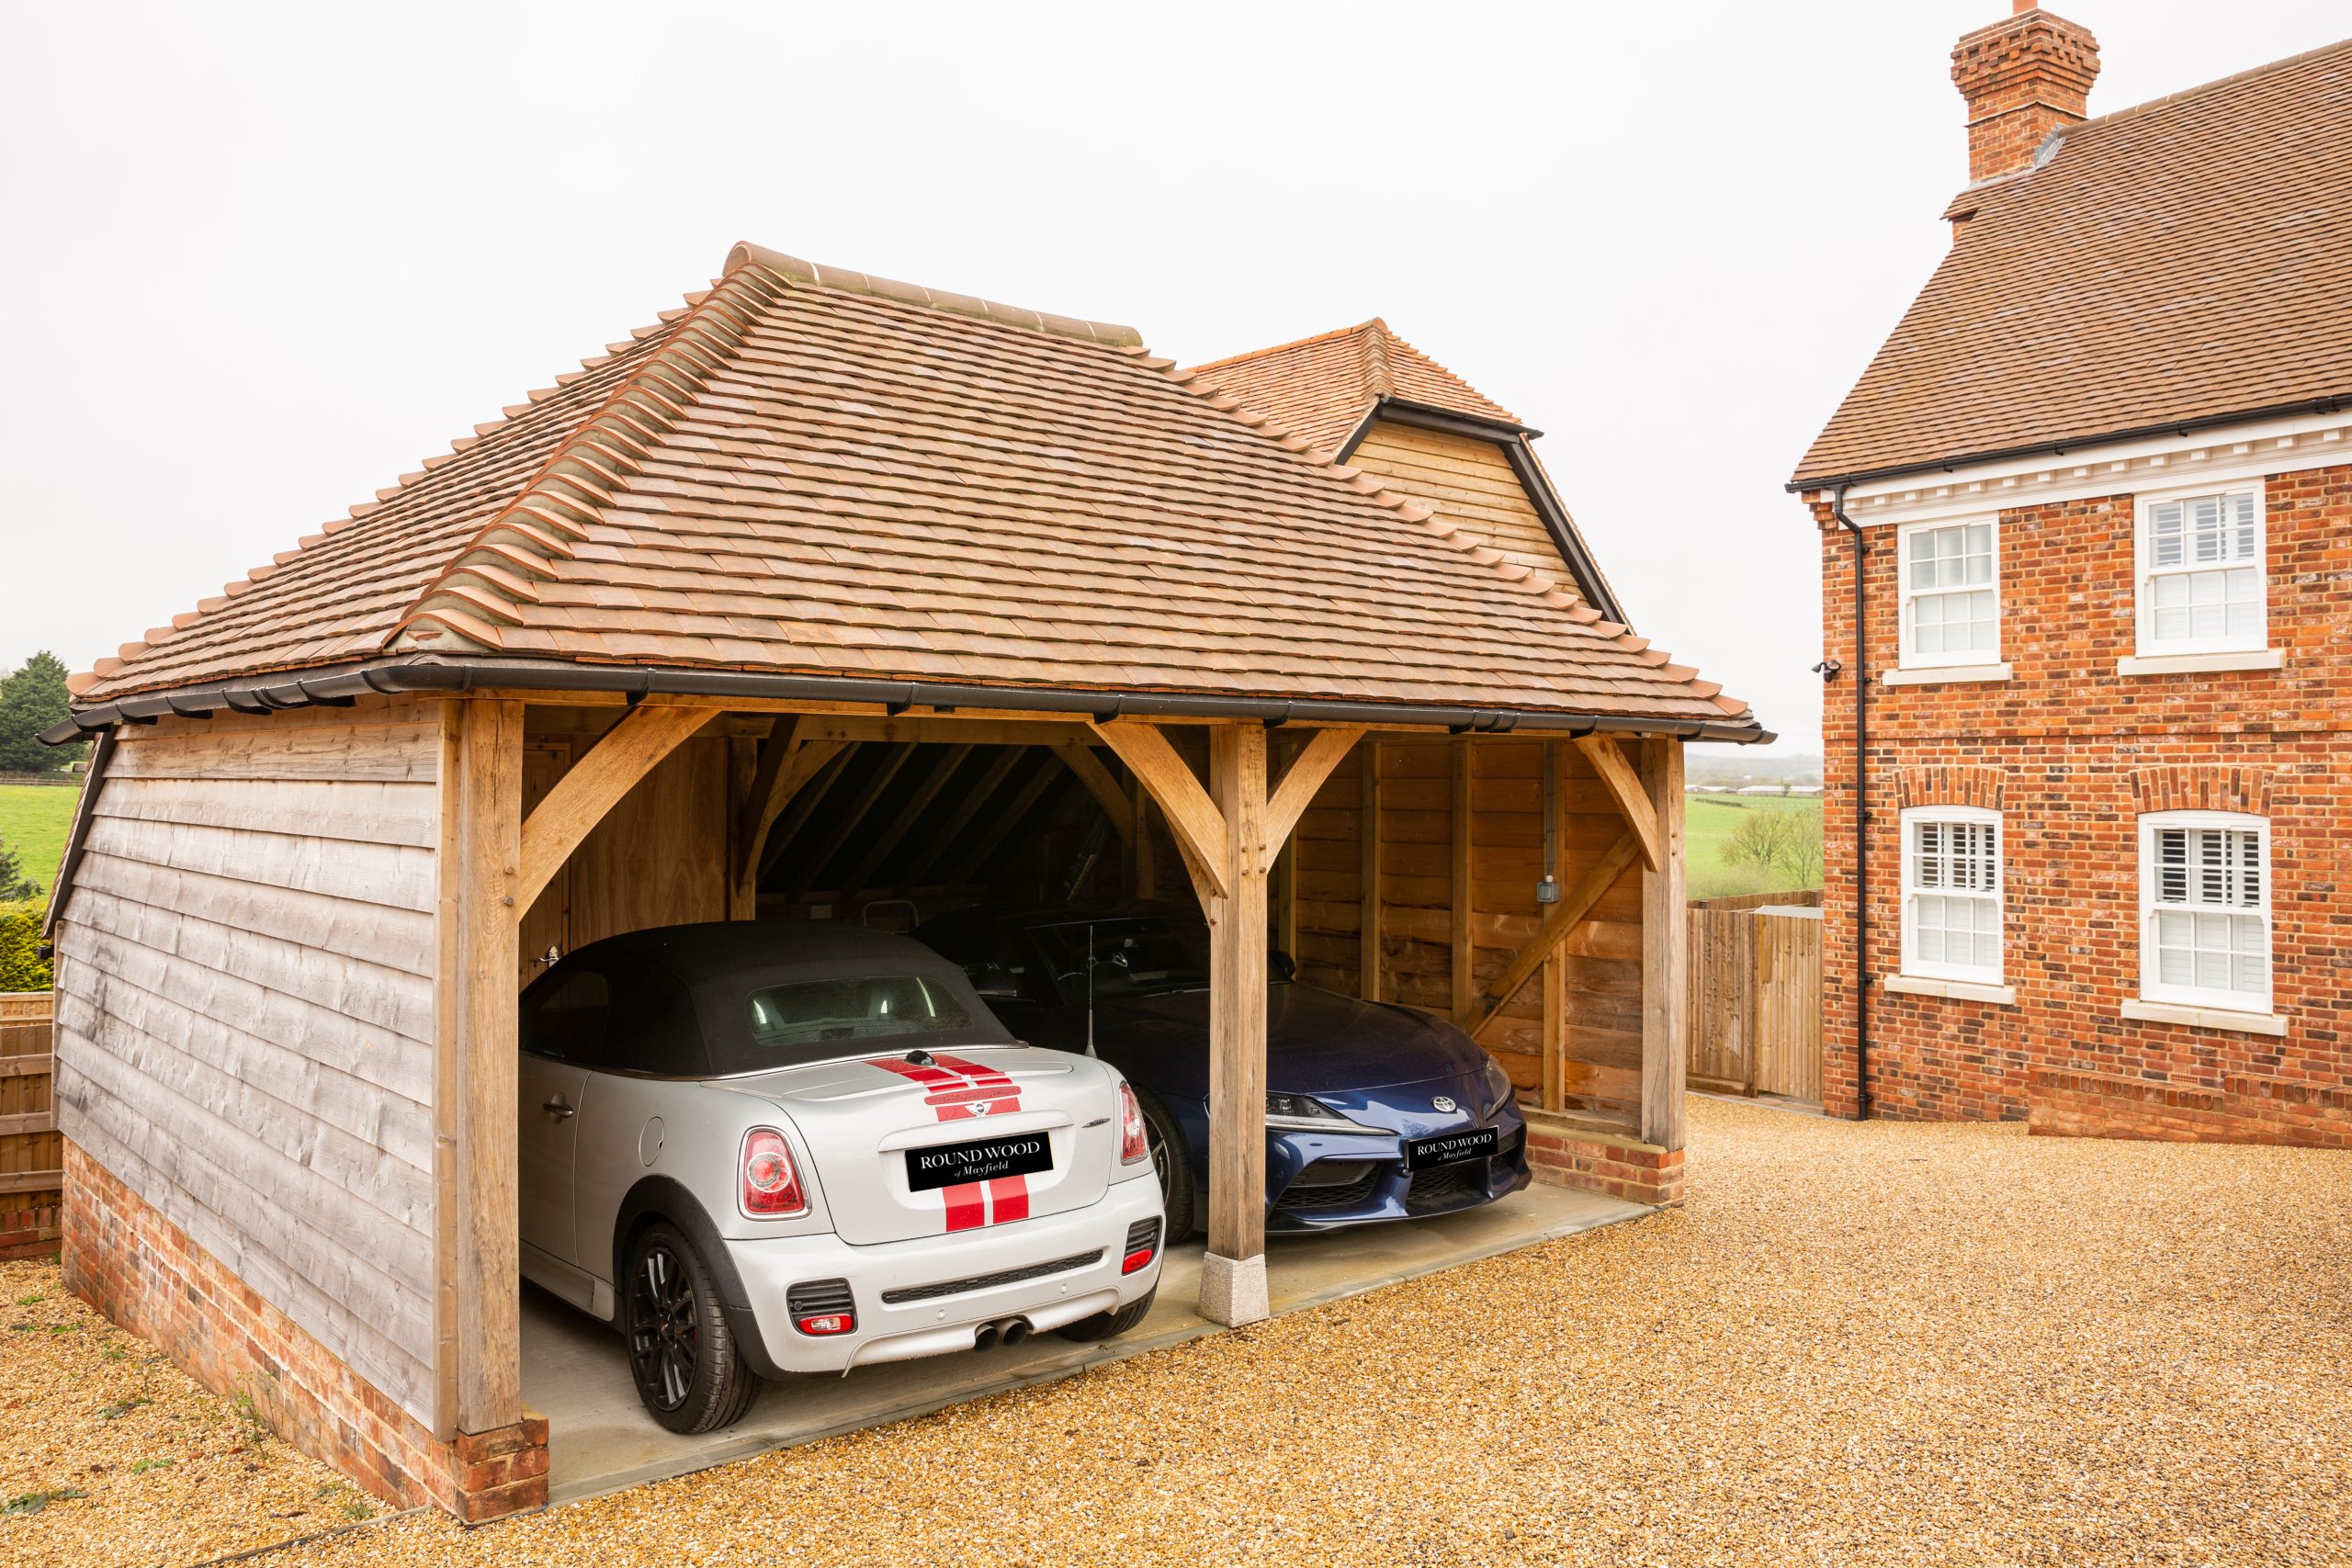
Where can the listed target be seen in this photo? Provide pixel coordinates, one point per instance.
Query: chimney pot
(2023, 78)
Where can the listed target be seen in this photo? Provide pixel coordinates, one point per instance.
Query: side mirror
(1282, 965)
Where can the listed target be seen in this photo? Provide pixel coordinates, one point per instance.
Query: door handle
(558, 1108)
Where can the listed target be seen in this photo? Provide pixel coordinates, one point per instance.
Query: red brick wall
(2076, 752)
(1564, 1152)
(126, 1259)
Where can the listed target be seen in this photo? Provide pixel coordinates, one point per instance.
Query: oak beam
(1666, 954)
(1192, 817)
(1558, 921)
(1233, 1272)
(478, 1315)
(1626, 788)
(907, 816)
(1368, 908)
(831, 844)
(1465, 894)
(595, 783)
(1303, 780)
(1023, 801)
(974, 798)
(1080, 757)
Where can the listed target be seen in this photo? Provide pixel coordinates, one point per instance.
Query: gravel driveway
(1856, 1345)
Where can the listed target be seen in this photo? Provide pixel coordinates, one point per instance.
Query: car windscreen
(792, 1019)
(1127, 955)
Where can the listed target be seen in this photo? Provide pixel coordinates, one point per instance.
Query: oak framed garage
(828, 592)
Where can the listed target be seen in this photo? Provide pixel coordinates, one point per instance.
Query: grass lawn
(33, 822)
(1712, 819)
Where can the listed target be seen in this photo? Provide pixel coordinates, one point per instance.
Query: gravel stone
(1857, 1344)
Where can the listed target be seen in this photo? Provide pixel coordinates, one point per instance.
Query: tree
(15, 885)
(30, 701)
(1785, 841)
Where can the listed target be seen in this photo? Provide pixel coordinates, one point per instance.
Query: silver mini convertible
(763, 1147)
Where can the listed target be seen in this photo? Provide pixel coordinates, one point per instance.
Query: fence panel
(31, 1152)
(1754, 1001)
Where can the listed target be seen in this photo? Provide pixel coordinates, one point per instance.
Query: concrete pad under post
(1233, 1289)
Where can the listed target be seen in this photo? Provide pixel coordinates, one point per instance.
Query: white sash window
(1951, 595)
(2205, 909)
(2202, 588)
(1951, 893)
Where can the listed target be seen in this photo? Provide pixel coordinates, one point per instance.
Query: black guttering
(1862, 816)
(429, 672)
(2332, 404)
(1513, 439)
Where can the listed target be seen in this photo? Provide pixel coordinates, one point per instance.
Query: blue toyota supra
(1373, 1111)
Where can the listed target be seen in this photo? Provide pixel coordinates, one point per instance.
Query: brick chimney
(2023, 78)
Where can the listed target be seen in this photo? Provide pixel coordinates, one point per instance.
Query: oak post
(1464, 897)
(1666, 951)
(1368, 910)
(1233, 1277)
(481, 903)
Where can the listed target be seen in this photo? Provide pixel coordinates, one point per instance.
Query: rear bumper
(936, 1325)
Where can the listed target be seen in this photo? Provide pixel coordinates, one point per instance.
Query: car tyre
(1111, 1324)
(1170, 1162)
(689, 1372)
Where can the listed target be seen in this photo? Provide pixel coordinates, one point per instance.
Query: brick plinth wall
(126, 1259)
(2071, 752)
(2245, 1110)
(30, 1233)
(1565, 1153)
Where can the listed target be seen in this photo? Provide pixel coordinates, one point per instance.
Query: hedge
(22, 968)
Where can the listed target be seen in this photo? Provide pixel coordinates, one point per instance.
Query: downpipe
(1861, 813)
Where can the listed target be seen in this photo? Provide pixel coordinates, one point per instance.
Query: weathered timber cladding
(244, 1012)
(1599, 979)
(1467, 481)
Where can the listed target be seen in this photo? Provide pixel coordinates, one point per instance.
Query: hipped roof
(813, 471)
(2182, 262)
(1324, 386)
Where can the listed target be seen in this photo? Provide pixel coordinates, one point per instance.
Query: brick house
(2098, 484)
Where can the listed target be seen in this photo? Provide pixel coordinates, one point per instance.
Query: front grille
(905, 1293)
(818, 1298)
(1446, 1187)
(1141, 1234)
(1325, 1198)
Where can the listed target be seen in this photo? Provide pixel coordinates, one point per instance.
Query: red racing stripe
(955, 1089)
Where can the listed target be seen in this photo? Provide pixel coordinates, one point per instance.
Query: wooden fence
(31, 1153)
(1756, 996)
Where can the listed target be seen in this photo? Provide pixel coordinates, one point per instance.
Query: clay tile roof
(813, 471)
(2185, 260)
(1321, 388)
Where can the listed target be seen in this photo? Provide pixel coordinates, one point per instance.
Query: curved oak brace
(1303, 779)
(785, 770)
(580, 800)
(1626, 788)
(1099, 783)
(1192, 817)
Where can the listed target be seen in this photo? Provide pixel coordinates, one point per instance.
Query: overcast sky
(259, 262)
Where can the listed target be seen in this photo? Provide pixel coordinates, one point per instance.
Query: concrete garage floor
(601, 1440)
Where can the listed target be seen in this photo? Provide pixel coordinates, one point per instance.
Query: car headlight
(1497, 1086)
(1304, 1114)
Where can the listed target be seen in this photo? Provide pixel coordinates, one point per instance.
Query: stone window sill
(1945, 674)
(2206, 1017)
(1958, 990)
(2199, 663)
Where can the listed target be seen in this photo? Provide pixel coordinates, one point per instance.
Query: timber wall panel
(246, 1011)
(1469, 483)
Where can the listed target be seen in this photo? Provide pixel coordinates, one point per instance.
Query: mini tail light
(827, 1323)
(1133, 1145)
(771, 1186)
(1138, 1260)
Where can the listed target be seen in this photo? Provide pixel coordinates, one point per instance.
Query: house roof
(815, 472)
(2181, 262)
(1321, 388)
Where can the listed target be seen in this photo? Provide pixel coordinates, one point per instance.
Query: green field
(1712, 819)
(33, 822)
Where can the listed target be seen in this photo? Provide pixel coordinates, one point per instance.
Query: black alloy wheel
(1170, 1163)
(689, 1372)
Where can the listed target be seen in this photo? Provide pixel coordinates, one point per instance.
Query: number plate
(1450, 1148)
(983, 1159)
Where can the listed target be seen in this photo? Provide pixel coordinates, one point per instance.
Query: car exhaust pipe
(984, 1336)
(1015, 1331)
